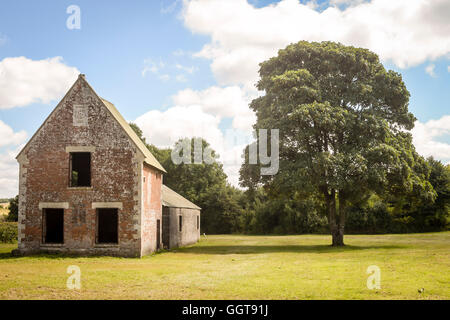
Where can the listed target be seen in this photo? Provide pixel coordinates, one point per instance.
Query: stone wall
(189, 234)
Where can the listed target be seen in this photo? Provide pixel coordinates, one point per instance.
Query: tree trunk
(338, 235)
(338, 238)
(330, 202)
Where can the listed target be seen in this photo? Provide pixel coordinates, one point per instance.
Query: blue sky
(153, 60)
(110, 48)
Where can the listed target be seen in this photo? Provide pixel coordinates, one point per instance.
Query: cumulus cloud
(227, 102)
(404, 32)
(151, 66)
(9, 137)
(9, 173)
(345, 3)
(162, 71)
(10, 143)
(428, 136)
(24, 81)
(164, 128)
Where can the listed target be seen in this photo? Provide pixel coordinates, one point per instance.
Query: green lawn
(245, 267)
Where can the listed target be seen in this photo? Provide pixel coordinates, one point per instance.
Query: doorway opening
(53, 226)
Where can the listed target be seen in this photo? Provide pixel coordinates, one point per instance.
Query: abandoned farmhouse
(89, 185)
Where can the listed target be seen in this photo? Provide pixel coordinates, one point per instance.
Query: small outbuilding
(181, 220)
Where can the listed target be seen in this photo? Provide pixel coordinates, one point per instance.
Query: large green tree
(343, 121)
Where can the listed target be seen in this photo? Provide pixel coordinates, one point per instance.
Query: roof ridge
(173, 199)
(149, 157)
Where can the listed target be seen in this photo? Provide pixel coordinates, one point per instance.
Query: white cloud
(345, 3)
(228, 102)
(405, 32)
(189, 70)
(9, 137)
(10, 143)
(161, 70)
(430, 70)
(9, 173)
(448, 68)
(24, 81)
(426, 138)
(164, 128)
(152, 67)
(199, 114)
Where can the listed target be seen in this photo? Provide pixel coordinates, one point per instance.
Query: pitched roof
(172, 199)
(149, 158)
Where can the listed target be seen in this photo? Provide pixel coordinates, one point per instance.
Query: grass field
(245, 267)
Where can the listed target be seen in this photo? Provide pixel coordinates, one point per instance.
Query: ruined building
(89, 185)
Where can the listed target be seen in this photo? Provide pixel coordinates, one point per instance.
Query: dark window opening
(80, 169)
(158, 234)
(180, 223)
(107, 226)
(54, 226)
(198, 222)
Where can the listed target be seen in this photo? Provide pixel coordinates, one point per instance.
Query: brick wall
(116, 168)
(151, 209)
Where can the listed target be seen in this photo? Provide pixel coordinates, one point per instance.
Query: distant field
(245, 267)
(4, 208)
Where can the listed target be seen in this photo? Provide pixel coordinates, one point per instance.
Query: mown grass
(245, 267)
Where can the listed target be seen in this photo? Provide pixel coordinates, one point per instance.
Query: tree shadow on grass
(57, 255)
(243, 249)
(224, 250)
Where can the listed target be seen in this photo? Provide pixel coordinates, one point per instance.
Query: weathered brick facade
(152, 211)
(83, 122)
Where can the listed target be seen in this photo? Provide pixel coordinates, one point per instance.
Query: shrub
(8, 232)
(13, 209)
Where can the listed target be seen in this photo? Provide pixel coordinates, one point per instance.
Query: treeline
(13, 210)
(268, 210)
